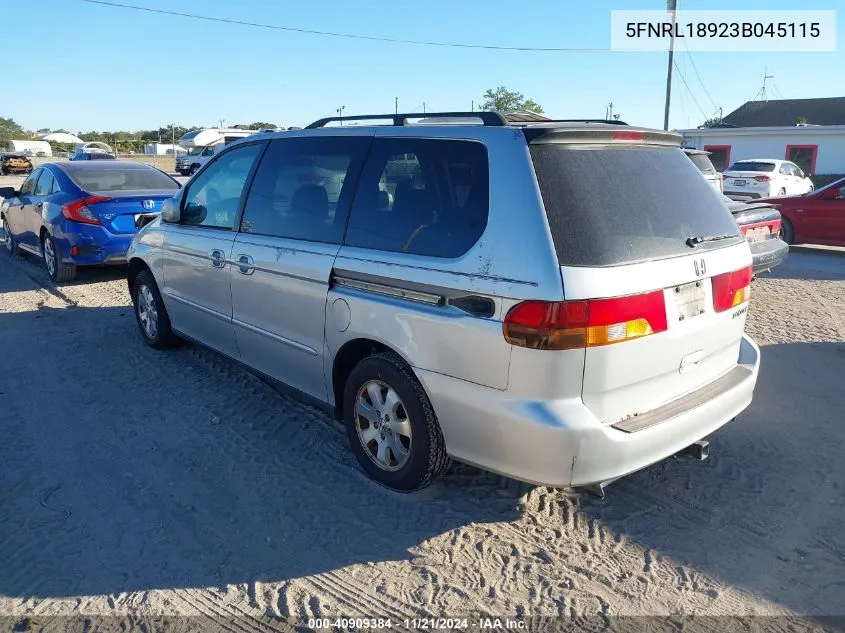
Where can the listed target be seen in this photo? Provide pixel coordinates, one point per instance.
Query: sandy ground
(144, 483)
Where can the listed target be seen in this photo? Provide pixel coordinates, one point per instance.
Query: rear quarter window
(421, 196)
(702, 161)
(609, 206)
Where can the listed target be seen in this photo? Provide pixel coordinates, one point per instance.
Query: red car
(817, 217)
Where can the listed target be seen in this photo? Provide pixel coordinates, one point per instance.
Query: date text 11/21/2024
(418, 624)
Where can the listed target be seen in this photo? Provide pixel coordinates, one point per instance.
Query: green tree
(262, 126)
(503, 99)
(9, 129)
(711, 122)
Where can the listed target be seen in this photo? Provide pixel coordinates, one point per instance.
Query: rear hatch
(119, 211)
(651, 260)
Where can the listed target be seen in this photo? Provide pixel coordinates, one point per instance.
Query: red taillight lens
(731, 289)
(579, 324)
(761, 178)
(628, 136)
(78, 210)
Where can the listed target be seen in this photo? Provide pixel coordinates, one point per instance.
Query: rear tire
(394, 433)
(786, 231)
(194, 169)
(782, 192)
(150, 313)
(56, 268)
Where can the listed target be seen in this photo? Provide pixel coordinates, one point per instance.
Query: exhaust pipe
(699, 450)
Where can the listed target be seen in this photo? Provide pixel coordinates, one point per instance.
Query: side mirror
(170, 211)
(8, 192)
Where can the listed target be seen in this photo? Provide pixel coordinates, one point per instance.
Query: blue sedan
(82, 213)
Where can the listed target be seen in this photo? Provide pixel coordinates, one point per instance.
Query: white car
(764, 178)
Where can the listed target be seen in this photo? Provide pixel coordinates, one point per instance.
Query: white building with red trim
(808, 132)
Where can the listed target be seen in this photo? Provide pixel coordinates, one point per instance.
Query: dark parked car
(12, 163)
(760, 223)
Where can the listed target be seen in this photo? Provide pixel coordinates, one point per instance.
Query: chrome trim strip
(691, 401)
(456, 273)
(196, 306)
(389, 291)
(275, 337)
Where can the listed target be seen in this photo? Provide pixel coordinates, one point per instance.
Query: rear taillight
(731, 289)
(762, 178)
(579, 324)
(78, 210)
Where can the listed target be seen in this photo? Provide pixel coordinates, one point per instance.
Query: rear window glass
(611, 206)
(122, 179)
(702, 161)
(750, 166)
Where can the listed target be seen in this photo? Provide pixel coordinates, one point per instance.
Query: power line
(695, 68)
(692, 96)
(371, 38)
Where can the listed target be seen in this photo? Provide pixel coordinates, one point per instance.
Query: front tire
(150, 313)
(10, 244)
(391, 425)
(56, 268)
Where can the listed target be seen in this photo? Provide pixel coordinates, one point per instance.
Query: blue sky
(94, 67)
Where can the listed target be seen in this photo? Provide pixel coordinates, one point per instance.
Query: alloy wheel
(383, 426)
(147, 311)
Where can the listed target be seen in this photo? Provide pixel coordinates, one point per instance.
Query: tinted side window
(28, 185)
(302, 188)
(45, 184)
(421, 196)
(213, 198)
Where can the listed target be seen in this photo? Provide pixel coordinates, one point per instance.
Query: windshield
(129, 179)
(751, 166)
(608, 206)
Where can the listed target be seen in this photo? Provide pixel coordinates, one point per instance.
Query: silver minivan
(561, 302)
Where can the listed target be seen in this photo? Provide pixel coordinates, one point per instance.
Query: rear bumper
(93, 245)
(561, 443)
(744, 195)
(767, 254)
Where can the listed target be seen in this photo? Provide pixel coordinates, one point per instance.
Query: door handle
(246, 265)
(218, 260)
(475, 305)
(39, 205)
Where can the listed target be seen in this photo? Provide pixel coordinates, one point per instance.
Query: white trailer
(203, 144)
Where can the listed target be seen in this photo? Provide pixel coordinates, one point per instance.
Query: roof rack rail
(495, 119)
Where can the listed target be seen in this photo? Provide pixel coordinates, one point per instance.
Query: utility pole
(472, 107)
(672, 7)
(608, 113)
(222, 121)
(423, 107)
(340, 113)
(396, 110)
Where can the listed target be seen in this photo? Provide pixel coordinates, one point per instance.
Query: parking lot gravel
(145, 483)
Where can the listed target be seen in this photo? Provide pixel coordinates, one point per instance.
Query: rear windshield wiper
(694, 241)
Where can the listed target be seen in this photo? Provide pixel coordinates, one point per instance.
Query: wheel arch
(133, 267)
(347, 357)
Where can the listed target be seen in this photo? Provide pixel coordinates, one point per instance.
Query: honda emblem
(148, 204)
(700, 267)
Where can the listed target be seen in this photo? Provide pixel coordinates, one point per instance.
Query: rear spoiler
(541, 135)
